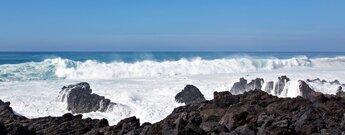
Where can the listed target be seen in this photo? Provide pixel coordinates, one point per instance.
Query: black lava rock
(80, 99)
(190, 94)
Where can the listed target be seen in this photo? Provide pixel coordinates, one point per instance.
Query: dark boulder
(190, 94)
(80, 99)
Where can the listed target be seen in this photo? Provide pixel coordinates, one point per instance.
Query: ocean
(147, 82)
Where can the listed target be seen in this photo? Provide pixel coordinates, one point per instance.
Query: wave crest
(59, 68)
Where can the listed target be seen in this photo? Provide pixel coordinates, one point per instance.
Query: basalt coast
(251, 111)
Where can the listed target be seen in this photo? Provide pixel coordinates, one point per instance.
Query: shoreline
(252, 111)
(226, 113)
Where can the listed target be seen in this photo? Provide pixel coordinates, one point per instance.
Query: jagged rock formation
(239, 87)
(340, 92)
(318, 80)
(255, 84)
(190, 94)
(335, 82)
(280, 84)
(254, 112)
(242, 86)
(80, 99)
(307, 92)
(269, 87)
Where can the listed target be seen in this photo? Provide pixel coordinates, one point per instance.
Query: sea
(147, 82)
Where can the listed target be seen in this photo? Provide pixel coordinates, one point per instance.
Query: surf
(59, 68)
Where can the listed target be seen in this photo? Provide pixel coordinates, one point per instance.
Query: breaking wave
(59, 68)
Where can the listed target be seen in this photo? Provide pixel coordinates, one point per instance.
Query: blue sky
(176, 25)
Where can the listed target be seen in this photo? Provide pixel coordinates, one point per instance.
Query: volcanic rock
(80, 99)
(255, 112)
(305, 90)
(280, 84)
(239, 87)
(190, 94)
(269, 87)
(255, 84)
(318, 80)
(340, 92)
(242, 86)
(250, 113)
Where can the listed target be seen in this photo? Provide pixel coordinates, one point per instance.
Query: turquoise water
(21, 57)
(20, 66)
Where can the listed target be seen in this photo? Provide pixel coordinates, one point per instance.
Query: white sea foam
(91, 69)
(148, 87)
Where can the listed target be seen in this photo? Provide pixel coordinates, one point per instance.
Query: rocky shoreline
(250, 113)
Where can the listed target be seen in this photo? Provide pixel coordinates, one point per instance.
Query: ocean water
(148, 81)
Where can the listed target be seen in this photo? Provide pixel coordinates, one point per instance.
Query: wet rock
(340, 92)
(314, 80)
(269, 87)
(305, 90)
(335, 82)
(280, 84)
(309, 93)
(190, 94)
(7, 113)
(253, 112)
(255, 84)
(242, 86)
(239, 87)
(339, 89)
(317, 80)
(80, 99)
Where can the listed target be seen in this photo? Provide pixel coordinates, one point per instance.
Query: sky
(174, 25)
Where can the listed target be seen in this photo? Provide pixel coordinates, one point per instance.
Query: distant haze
(178, 25)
